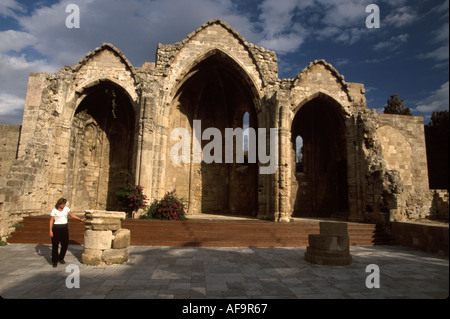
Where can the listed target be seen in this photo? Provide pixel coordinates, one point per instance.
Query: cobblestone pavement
(238, 273)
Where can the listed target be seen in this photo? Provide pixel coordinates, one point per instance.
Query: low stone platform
(330, 247)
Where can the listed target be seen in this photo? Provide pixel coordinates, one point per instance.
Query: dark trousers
(60, 235)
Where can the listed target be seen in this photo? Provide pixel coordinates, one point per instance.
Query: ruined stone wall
(403, 143)
(381, 192)
(25, 188)
(85, 124)
(440, 204)
(45, 167)
(9, 141)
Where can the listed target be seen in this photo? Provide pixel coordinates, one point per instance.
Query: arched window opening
(245, 136)
(299, 154)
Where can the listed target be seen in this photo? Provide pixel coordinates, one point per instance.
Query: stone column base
(331, 247)
(105, 243)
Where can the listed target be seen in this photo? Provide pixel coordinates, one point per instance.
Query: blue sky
(408, 54)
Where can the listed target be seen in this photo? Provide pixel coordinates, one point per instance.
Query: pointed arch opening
(102, 147)
(217, 93)
(321, 175)
(299, 154)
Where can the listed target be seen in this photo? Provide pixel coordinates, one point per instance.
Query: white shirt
(60, 216)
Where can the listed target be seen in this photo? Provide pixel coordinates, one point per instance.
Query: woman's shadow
(46, 252)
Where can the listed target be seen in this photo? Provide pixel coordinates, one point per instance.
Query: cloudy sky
(408, 54)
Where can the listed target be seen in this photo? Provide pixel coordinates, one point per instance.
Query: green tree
(395, 106)
(439, 120)
(437, 144)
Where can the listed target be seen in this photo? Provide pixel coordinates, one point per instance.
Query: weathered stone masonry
(86, 124)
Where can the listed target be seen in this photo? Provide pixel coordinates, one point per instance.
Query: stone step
(195, 232)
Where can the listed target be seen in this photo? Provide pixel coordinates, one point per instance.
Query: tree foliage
(439, 120)
(437, 143)
(395, 106)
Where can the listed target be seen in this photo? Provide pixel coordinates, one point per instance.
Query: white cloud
(401, 17)
(9, 7)
(442, 34)
(283, 43)
(441, 8)
(351, 36)
(136, 27)
(276, 16)
(327, 32)
(345, 13)
(15, 71)
(287, 24)
(437, 101)
(376, 60)
(13, 83)
(282, 25)
(280, 31)
(393, 43)
(441, 53)
(341, 62)
(12, 40)
(11, 108)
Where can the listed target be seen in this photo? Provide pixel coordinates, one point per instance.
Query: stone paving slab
(236, 273)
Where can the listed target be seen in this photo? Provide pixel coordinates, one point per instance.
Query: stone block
(92, 257)
(103, 220)
(330, 247)
(328, 253)
(326, 260)
(333, 229)
(90, 214)
(121, 239)
(103, 224)
(97, 239)
(324, 242)
(115, 256)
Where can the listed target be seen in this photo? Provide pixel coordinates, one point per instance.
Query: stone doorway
(217, 93)
(102, 147)
(320, 187)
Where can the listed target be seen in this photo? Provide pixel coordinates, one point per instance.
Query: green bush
(170, 207)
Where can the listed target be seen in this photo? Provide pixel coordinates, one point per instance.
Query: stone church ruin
(86, 124)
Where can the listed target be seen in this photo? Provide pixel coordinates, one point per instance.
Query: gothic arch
(226, 59)
(332, 101)
(216, 92)
(198, 47)
(103, 82)
(320, 189)
(106, 64)
(102, 137)
(321, 78)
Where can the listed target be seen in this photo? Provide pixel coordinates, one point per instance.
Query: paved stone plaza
(239, 273)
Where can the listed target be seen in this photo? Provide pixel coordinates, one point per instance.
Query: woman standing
(59, 230)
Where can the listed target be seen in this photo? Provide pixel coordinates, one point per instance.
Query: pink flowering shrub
(132, 197)
(170, 207)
